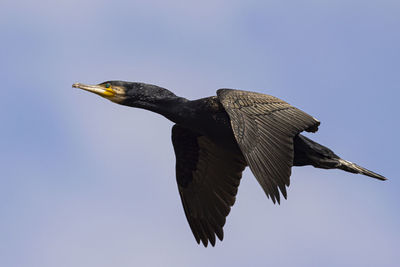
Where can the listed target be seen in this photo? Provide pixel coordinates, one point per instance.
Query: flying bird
(216, 137)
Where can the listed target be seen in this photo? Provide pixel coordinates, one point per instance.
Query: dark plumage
(216, 137)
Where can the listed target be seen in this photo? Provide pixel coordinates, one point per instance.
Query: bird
(215, 138)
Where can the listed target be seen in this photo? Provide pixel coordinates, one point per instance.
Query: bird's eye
(108, 85)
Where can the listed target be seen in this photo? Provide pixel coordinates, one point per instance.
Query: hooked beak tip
(75, 85)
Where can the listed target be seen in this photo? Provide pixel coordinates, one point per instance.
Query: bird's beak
(97, 89)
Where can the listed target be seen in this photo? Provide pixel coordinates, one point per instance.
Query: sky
(86, 182)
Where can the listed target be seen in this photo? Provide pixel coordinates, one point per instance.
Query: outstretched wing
(264, 127)
(208, 178)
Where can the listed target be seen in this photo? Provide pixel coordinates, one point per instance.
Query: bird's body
(209, 118)
(216, 137)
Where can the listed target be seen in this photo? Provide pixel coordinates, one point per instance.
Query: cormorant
(216, 137)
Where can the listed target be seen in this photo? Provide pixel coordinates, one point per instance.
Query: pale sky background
(85, 182)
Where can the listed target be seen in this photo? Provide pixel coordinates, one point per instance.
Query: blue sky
(85, 182)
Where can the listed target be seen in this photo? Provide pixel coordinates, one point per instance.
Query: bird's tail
(308, 152)
(354, 168)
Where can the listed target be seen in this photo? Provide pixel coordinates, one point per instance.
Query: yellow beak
(97, 89)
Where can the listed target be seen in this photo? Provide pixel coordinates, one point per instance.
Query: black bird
(216, 137)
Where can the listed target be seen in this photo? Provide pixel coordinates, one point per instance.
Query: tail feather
(308, 152)
(354, 168)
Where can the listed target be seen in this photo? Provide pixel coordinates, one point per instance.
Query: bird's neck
(173, 108)
(163, 102)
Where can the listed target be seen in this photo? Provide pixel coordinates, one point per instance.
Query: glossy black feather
(208, 177)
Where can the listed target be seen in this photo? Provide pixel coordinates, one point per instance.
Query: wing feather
(264, 127)
(208, 178)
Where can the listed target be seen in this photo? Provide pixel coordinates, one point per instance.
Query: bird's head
(133, 94)
(116, 91)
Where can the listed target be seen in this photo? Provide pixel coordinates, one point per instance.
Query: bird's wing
(208, 178)
(264, 127)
